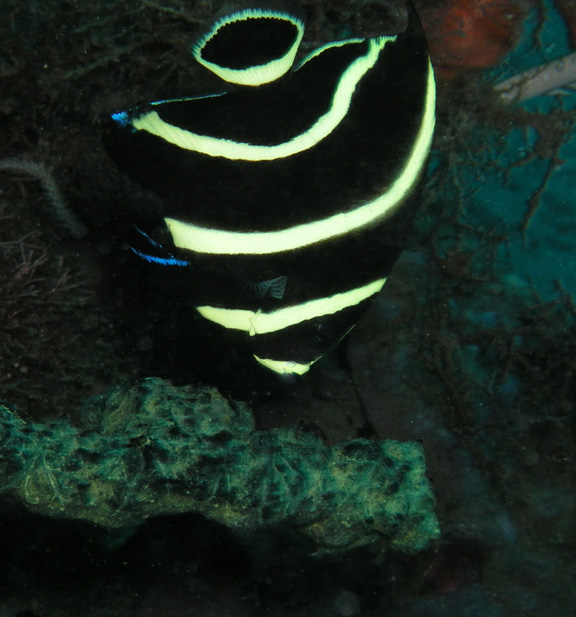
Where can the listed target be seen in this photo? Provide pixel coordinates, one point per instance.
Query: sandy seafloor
(470, 349)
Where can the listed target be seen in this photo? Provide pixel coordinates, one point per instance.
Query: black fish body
(307, 175)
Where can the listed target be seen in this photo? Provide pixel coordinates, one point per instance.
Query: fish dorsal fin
(251, 46)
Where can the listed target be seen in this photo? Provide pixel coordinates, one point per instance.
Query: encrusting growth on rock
(157, 449)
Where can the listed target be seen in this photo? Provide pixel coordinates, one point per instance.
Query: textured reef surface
(468, 352)
(157, 449)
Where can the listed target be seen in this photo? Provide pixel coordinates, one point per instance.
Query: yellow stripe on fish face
(228, 242)
(152, 123)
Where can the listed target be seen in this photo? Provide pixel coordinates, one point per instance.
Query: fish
(301, 176)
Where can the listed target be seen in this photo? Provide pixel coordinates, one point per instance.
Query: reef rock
(155, 449)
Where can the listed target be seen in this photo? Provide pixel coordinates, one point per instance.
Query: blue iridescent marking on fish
(185, 98)
(122, 118)
(163, 261)
(170, 260)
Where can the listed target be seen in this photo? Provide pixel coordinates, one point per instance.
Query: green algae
(155, 449)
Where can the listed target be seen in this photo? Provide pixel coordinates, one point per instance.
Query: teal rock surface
(155, 449)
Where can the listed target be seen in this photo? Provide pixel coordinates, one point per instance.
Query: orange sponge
(472, 34)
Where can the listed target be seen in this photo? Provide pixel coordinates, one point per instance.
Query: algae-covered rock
(158, 449)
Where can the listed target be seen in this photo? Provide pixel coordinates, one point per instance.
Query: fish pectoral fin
(273, 288)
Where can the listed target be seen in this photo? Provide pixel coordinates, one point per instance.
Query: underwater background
(469, 349)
